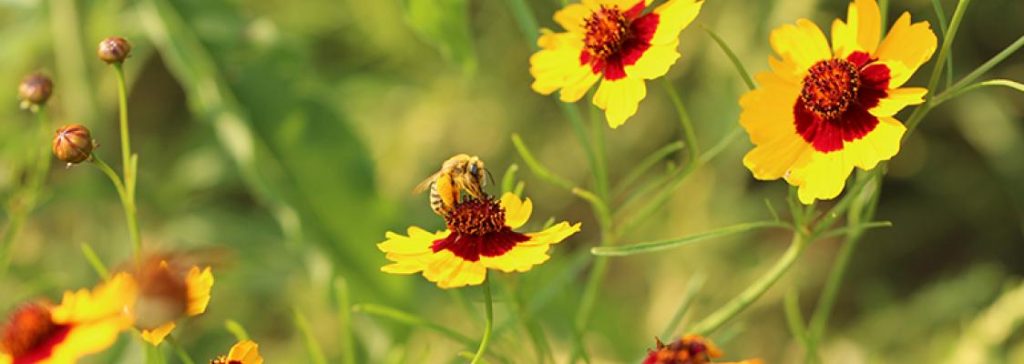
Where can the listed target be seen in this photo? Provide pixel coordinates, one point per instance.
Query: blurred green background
(291, 133)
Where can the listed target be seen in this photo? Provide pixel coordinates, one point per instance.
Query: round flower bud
(114, 50)
(34, 90)
(73, 144)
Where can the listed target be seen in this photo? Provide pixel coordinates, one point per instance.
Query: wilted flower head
(73, 144)
(169, 289)
(85, 322)
(34, 90)
(244, 352)
(114, 50)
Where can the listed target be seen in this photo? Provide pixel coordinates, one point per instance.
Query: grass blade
(732, 58)
(411, 320)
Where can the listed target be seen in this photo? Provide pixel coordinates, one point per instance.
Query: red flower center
(223, 360)
(478, 229)
(616, 38)
(30, 334)
(833, 107)
(830, 87)
(606, 29)
(683, 351)
(163, 293)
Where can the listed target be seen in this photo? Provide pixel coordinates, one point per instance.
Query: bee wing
(423, 186)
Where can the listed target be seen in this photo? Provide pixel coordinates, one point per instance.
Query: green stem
(941, 15)
(126, 203)
(689, 135)
(95, 261)
(129, 164)
(343, 297)
(755, 290)
(316, 353)
(180, 351)
(411, 320)
(947, 42)
(488, 307)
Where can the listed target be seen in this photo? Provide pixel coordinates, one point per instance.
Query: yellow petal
(880, 144)
(521, 258)
(575, 88)
(620, 99)
(897, 99)
(768, 110)
(157, 335)
(557, 64)
(417, 241)
(673, 17)
(450, 271)
(247, 352)
(572, 17)
(517, 212)
(822, 178)
(909, 44)
(898, 72)
(802, 44)
(106, 300)
(862, 30)
(552, 235)
(655, 61)
(199, 283)
(85, 339)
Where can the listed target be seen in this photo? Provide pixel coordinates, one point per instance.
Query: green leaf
(445, 25)
(654, 246)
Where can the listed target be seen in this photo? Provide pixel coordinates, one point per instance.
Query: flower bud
(73, 144)
(114, 50)
(34, 90)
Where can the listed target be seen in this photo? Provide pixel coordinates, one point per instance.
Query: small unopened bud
(114, 50)
(34, 90)
(73, 144)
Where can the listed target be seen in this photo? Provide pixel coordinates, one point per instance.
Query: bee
(459, 173)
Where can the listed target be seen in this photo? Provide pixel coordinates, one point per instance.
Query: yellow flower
(168, 291)
(86, 322)
(244, 352)
(480, 236)
(823, 110)
(613, 41)
(691, 349)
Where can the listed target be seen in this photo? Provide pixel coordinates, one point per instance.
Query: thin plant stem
(28, 197)
(754, 291)
(95, 262)
(489, 326)
(180, 351)
(941, 16)
(129, 164)
(947, 43)
(126, 203)
(236, 329)
(411, 320)
(316, 353)
(344, 299)
(689, 135)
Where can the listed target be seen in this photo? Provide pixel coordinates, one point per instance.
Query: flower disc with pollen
(478, 229)
(481, 235)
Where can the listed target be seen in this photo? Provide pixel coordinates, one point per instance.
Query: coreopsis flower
(823, 110)
(86, 322)
(691, 349)
(480, 236)
(168, 290)
(614, 41)
(244, 352)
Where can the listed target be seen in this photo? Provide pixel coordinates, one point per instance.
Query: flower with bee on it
(86, 322)
(459, 173)
(480, 236)
(34, 90)
(824, 109)
(244, 352)
(169, 289)
(690, 349)
(73, 144)
(616, 42)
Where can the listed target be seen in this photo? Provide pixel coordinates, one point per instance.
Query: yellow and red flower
(480, 236)
(168, 290)
(823, 110)
(613, 41)
(244, 352)
(86, 322)
(691, 349)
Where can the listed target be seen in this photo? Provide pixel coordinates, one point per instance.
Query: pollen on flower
(830, 87)
(606, 30)
(478, 229)
(225, 360)
(30, 331)
(691, 349)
